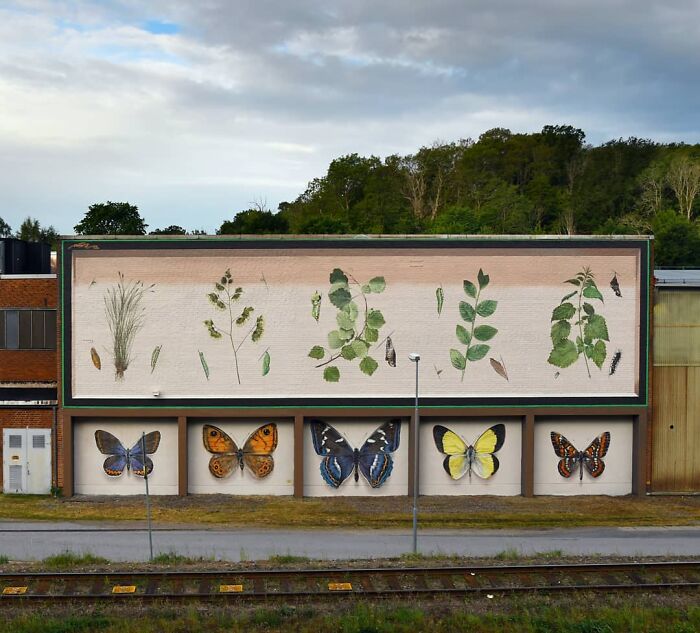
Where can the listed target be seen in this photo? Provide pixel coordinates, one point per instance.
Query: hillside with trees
(550, 182)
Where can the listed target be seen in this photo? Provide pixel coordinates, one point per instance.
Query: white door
(27, 461)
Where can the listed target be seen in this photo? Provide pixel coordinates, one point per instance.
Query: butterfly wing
(137, 461)
(456, 464)
(568, 453)
(592, 456)
(484, 462)
(258, 448)
(485, 465)
(109, 445)
(339, 455)
(262, 441)
(375, 461)
(224, 448)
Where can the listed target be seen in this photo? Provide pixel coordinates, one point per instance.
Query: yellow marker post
(339, 586)
(14, 591)
(230, 588)
(124, 589)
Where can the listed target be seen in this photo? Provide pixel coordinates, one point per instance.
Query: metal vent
(38, 441)
(15, 441)
(15, 478)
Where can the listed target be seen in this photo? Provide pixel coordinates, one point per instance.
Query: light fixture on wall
(156, 392)
(415, 358)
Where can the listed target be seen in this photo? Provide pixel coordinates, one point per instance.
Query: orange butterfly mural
(256, 453)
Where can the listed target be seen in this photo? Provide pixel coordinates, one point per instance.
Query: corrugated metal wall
(676, 391)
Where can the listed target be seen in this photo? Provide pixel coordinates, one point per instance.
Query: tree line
(549, 182)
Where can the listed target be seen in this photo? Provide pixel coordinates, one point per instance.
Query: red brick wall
(28, 365)
(22, 418)
(28, 293)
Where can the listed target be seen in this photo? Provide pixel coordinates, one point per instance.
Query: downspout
(54, 457)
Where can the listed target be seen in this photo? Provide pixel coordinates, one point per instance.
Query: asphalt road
(32, 541)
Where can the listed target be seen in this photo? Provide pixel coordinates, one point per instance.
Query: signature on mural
(591, 458)
(473, 336)
(223, 298)
(590, 328)
(340, 460)
(358, 326)
(125, 318)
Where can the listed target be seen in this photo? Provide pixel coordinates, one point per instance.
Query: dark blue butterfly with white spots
(132, 459)
(373, 460)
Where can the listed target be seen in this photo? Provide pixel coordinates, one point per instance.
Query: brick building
(28, 366)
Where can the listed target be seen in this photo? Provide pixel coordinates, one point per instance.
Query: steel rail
(276, 584)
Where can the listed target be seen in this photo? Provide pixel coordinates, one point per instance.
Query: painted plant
(576, 316)
(358, 325)
(125, 318)
(224, 299)
(474, 336)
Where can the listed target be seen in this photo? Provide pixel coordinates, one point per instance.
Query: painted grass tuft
(287, 559)
(173, 558)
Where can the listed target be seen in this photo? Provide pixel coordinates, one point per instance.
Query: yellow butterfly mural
(464, 458)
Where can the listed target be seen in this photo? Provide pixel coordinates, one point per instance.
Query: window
(27, 329)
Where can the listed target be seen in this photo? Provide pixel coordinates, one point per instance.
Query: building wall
(27, 291)
(24, 417)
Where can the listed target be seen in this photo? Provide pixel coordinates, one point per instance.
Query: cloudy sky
(192, 109)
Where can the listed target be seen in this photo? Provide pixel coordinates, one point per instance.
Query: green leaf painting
(155, 355)
(359, 324)
(266, 363)
(471, 335)
(574, 316)
(224, 299)
(440, 296)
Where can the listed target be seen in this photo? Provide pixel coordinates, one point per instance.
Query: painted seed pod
(95, 358)
(390, 352)
(266, 363)
(316, 305)
(154, 357)
(205, 367)
(440, 296)
(499, 367)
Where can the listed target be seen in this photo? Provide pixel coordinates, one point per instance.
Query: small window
(15, 441)
(37, 329)
(38, 441)
(25, 329)
(12, 329)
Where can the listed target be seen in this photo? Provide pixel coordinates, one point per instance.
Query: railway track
(331, 584)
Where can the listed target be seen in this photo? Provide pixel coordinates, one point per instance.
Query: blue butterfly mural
(133, 459)
(373, 460)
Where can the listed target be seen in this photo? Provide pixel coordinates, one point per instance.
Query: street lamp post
(415, 358)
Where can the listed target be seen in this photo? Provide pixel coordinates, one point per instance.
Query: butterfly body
(571, 458)
(134, 459)
(373, 460)
(255, 454)
(462, 458)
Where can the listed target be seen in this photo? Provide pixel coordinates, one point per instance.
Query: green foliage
(69, 560)
(473, 336)
(591, 328)
(677, 240)
(223, 298)
(5, 229)
(111, 218)
(358, 328)
(173, 229)
(31, 231)
(254, 221)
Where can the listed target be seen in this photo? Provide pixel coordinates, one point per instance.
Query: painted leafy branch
(223, 298)
(474, 336)
(125, 317)
(590, 328)
(358, 326)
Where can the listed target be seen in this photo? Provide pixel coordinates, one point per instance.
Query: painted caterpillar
(614, 362)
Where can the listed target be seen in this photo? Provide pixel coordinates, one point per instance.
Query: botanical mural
(340, 323)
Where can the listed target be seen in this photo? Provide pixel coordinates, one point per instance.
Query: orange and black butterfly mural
(591, 458)
(255, 454)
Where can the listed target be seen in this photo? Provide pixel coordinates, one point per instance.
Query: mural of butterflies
(591, 458)
(256, 452)
(133, 459)
(463, 458)
(340, 460)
